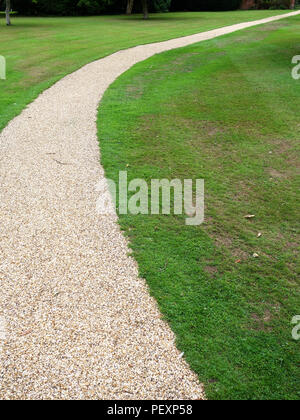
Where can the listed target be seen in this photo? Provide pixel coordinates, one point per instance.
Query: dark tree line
(94, 7)
(86, 7)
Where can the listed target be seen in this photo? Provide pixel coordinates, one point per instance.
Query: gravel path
(76, 321)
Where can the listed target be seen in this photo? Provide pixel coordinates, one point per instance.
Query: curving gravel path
(76, 321)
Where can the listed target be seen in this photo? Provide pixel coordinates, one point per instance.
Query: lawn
(39, 51)
(226, 110)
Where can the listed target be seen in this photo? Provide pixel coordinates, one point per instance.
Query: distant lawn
(226, 110)
(40, 51)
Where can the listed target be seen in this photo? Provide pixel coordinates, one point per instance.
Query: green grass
(39, 51)
(226, 110)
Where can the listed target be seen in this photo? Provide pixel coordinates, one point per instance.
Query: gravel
(76, 321)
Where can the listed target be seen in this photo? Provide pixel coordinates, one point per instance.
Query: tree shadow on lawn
(157, 18)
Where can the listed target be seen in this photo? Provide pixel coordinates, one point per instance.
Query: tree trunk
(293, 4)
(247, 4)
(145, 9)
(129, 7)
(7, 13)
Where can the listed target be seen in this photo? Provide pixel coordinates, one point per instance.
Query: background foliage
(91, 7)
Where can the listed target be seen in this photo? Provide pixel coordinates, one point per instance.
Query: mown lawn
(39, 51)
(225, 110)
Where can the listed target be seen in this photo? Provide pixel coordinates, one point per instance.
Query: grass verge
(227, 111)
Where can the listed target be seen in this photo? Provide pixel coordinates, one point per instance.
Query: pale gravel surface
(76, 321)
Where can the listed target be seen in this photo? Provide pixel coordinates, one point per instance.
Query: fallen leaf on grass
(250, 216)
(255, 255)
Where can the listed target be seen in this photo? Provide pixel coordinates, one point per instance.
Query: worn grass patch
(227, 112)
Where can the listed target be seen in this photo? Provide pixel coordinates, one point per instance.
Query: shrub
(273, 4)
